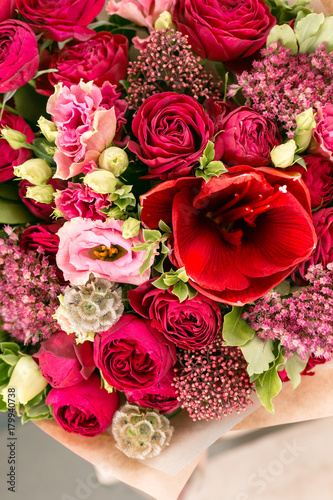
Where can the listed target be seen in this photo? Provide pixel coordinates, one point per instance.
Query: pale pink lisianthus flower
(86, 125)
(140, 12)
(81, 252)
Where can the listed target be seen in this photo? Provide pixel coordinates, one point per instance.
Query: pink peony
(140, 12)
(81, 253)
(322, 143)
(79, 200)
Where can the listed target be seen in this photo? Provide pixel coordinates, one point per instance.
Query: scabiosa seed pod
(95, 306)
(140, 432)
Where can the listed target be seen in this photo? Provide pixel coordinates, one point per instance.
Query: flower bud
(15, 139)
(283, 155)
(26, 379)
(36, 171)
(101, 181)
(40, 194)
(114, 159)
(130, 228)
(48, 129)
(305, 124)
(164, 21)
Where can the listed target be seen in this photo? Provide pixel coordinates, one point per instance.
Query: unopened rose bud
(40, 194)
(164, 21)
(114, 160)
(101, 181)
(130, 228)
(25, 382)
(48, 129)
(305, 124)
(15, 139)
(283, 155)
(36, 171)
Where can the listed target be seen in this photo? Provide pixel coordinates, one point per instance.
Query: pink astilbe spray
(282, 85)
(28, 292)
(303, 322)
(213, 382)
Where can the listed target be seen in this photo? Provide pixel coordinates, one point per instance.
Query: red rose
(85, 408)
(222, 30)
(40, 210)
(173, 131)
(19, 57)
(238, 235)
(62, 19)
(132, 354)
(246, 137)
(191, 324)
(104, 57)
(35, 237)
(10, 157)
(7, 9)
(64, 363)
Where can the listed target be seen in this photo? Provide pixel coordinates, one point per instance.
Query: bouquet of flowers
(167, 209)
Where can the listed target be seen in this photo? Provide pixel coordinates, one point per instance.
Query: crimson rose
(7, 9)
(132, 354)
(85, 408)
(238, 235)
(173, 131)
(41, 236)
(224, 30)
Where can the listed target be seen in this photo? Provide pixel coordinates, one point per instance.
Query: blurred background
(289, 462)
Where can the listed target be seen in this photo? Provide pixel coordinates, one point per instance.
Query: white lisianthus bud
(101, 181)
(40, 194)
(130, 228)
(305, 124)
(48, 129)
(35, 170)
(114, 160)
(283, 155)
(15, 139)
(164, 21)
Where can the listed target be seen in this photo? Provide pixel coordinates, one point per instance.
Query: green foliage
(29, 104)
(14, 212)
(177, 283)
(36, 408)
(208, 167)
(154, 243)
(10, 354)
(284, 13)
(236, 331)
(313, 30)
(294, 367)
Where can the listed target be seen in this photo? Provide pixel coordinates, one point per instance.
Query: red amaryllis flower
(238, 235)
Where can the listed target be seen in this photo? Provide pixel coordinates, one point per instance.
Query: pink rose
(140, 12)
(246, 138)
(173, 131)
(79, 200)
(104, 57)
(322, 143)
(86, 124)
(224, 30)
(10, 157)
(64, 363)
(161, 397)
(85, 408)
(62, 19)
(81, 253)
(132, 354)
(19, 57)
(7, 9)
(191, 324)
(42, 211)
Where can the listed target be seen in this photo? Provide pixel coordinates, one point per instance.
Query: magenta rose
(79, 200)
(322, 143)
(224, 30)
(161, 397)
(246, 138)
(85, 408)
(104, 57)
(7, 9)
(61, 19)
(140, 12)
(191, 324)
(19, 57)
(64, 363)
(133, 354)
(173, 131)
(82, 251)
(42, 211)
(10, 157)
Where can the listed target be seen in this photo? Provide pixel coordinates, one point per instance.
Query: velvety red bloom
(173, 131)
(10, 157)
(238, 235)
(132, 354)
(191, 324)
(62, 19)
(41, 236)
(79, 200)
(64, 363)
(222, 30)
(40, 210)
(7, 9)
(85, 408)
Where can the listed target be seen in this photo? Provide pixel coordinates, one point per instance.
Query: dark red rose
(238, 235)
(173, 131)
(191, 324)
(85, 408)
(246, 137)
(161, 397)
(224, 30)
(10, 157)
(61, 19)
(64, 363)
(104, 57)
(7, 9)
(43, 236)
(133, 354)
(40, 210)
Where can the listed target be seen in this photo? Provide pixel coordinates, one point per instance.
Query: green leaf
(286, 35)
(267, 387)
(29, 104)
(146, 262)
(160, 265)
(258, 354)
(191, 292)
(209, 151)
(3, 406)
(9, 192)
(151, 235)
(180, 290)
(236, 331)
(14, 213)
(164, 227)
(307, 29)
(125, 84)
(284, 13)
(300, 160)
(294, 367)
(10, 359)
(159, 283)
